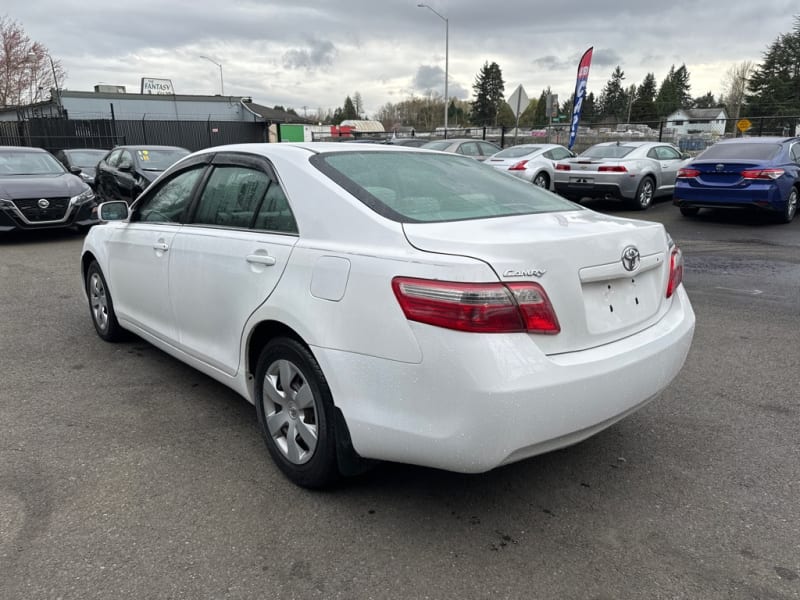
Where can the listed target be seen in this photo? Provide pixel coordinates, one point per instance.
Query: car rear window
(607, 151)
(741, 151)
(437, 145)
(420, 187)
(517, 151)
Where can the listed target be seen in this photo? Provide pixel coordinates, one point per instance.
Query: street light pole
(446, 59)
(221, 84)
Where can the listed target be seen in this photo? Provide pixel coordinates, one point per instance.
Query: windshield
(415, 187)
(741, 151)
(85, 158)
(28, 163)
(159, 159)
(517, 151)
(607, 151)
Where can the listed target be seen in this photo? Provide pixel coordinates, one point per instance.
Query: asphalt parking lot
(126, 474)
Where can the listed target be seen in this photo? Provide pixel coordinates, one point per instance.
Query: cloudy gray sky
(306, 53)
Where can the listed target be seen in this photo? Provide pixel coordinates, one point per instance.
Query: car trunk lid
(577, 257)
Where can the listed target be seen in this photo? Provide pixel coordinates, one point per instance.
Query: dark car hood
(41, 186)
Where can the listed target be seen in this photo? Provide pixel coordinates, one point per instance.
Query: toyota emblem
(43, 203)
(631, 258)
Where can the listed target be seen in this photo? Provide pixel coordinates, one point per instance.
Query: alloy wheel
(99, 301)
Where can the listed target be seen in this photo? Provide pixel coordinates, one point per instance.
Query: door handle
(160, 246)
(261, 259)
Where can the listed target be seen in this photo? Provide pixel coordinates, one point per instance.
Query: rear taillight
(762, 173)
(562, 167)
(613, 169)
(520, 166)
(688, 173)
(675, 270)
(477, 307)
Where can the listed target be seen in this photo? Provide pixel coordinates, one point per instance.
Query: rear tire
(541, 180)
(689, 211)
(790, 210)
(644, 194)
(296, 413)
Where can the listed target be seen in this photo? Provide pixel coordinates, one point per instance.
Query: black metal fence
(689, 135)
(55, 134)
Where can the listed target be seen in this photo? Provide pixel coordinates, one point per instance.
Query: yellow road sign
(743, 125)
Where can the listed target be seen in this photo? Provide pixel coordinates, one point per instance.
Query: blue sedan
(761, 173)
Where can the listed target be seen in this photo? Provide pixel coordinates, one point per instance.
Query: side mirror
(116, 210)
(75, 170)
(685, 155)
(126, 166)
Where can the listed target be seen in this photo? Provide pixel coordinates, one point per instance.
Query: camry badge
(524, 273)
(720, 167)
(631, 258)
(43, 203)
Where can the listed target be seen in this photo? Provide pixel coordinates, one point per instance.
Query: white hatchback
(392, 303)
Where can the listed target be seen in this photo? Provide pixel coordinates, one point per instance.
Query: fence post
(144, 130)
(209, 131)
(760, 126)
(660, 131)
(113, 124)
(484, 133)
(502, 136)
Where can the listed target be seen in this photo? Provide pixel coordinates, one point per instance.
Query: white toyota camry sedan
(391, 303)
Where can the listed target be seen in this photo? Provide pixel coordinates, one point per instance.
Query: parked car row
(41, 191)
(742, 173)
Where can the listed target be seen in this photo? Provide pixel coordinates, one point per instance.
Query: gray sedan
(477, 149)
(635, 172)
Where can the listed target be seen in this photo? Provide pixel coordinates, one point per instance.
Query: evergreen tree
(674, 92)
(540, 118)
(489, 88)
(613, 99)
(705, 101)
(644, 103)
(349, 110)
(775, 84)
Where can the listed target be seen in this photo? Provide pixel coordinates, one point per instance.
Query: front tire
(296, 413)
(644, 194)
(790, 210)
(101, 306)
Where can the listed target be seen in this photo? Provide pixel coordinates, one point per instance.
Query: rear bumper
(759, 196)
(623, 189)
(476, 402)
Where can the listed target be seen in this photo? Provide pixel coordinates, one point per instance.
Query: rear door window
(232, 197)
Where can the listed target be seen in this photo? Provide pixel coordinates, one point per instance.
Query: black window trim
(179, 169)
(236, 159)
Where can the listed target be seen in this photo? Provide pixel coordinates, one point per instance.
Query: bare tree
(26, 68)
(734, 86)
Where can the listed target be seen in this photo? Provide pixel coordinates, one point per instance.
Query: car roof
(23, 149)
(759, 140)
(148, 147)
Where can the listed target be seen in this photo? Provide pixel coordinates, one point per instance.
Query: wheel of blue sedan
(790, 210)
(644, 194)
(295, 411)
